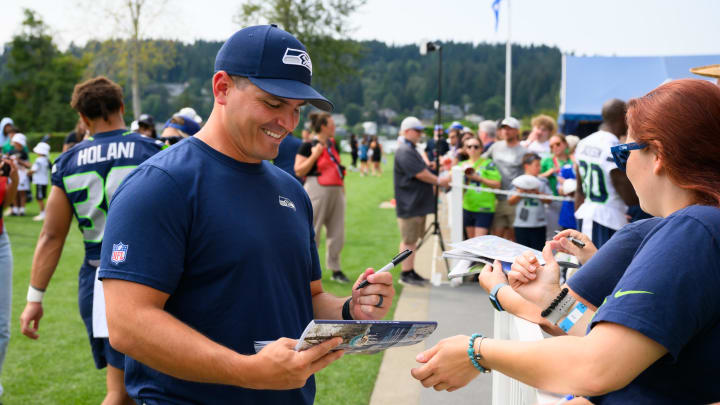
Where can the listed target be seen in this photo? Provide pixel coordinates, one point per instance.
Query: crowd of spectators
(638, 323)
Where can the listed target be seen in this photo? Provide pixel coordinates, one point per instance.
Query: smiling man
(221, 252)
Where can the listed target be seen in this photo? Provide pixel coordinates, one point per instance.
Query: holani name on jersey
(115, 150)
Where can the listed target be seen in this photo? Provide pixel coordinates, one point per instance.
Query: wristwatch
(493, 296)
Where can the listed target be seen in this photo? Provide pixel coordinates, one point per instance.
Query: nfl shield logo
(119, 251)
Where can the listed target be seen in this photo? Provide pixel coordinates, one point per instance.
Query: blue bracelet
(473, 357)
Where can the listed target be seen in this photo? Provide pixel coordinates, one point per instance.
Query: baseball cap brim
(293, 89)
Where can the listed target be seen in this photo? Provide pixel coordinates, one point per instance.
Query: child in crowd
(20, 155)
(566, 187)
(39, 172)
(364, 149)
(567, 211)
(530, 219)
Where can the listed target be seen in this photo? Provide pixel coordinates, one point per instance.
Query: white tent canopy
(587, 82)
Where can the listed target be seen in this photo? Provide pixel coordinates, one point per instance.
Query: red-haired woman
(655, 338)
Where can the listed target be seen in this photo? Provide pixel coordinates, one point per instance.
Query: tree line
(36, 78)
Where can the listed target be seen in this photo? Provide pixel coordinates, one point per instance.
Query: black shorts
(533, 238)
(600, 233)
(40, 191)
(477, 219)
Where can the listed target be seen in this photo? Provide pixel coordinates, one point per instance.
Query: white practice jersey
(41, 170)
(602, 203)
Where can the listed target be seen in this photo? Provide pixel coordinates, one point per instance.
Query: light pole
(432, 47)
(434, 228)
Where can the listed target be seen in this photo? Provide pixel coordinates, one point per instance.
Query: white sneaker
(39, 217)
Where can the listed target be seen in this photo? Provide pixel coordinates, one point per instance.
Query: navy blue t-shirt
(597, 278)
(286, 154)
(90, 173)
(669, 293)
(232, 244)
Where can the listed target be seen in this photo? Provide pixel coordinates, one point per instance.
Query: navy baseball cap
(274, 61)
(189, 125)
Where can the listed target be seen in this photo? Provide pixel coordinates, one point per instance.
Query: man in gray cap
(507, 155)
(191, 282)
(414, 194)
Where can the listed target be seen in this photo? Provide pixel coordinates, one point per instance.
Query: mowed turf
(58, 367)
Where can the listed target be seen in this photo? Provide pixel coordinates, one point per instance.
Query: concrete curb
(394, 384)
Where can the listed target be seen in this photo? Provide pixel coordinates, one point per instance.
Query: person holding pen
(521, 291)
(654, 338)
(237, 268)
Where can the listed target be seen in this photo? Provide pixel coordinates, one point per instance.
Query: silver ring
(379, 304)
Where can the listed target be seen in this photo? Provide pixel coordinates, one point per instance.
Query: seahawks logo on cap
(297, 57)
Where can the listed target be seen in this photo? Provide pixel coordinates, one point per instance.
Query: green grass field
(58, 368)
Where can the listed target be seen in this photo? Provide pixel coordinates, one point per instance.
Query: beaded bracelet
(474, 357)
(554, 303)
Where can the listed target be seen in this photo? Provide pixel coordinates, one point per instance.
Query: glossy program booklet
(362, 336)
(472, 254)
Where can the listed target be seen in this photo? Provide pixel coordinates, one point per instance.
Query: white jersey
(541, 148)
(41, 170)
(602, 203)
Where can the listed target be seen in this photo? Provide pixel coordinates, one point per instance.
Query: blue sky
(586, 27)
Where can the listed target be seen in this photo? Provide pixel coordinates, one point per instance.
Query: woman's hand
(537, 284)
(490, 276)
(446, 365)
(317, 150)
(561, 243)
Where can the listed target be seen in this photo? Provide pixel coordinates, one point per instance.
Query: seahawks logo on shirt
(285, 202)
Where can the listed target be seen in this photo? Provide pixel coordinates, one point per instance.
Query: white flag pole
(508, 67)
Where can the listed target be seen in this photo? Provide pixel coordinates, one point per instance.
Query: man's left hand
(364, 304)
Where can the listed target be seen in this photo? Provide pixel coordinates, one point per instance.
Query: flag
(496, 10)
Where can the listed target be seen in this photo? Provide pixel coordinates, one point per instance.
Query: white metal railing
(505, 390)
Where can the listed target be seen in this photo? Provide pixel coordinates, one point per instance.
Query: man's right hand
(280, 367)
(30, 319)
(444, 180)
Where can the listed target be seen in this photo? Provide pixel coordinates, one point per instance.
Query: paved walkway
(461, 310)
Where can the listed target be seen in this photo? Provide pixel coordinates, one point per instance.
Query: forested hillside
(394, 77)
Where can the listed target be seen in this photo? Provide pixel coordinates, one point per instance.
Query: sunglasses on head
(172, 140)
(621, 153)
